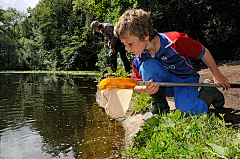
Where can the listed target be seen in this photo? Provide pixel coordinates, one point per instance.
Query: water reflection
(54, 116)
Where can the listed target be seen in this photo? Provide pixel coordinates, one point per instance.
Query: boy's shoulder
(173, 35)
(178, 38)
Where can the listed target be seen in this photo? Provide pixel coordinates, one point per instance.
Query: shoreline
(131, 123)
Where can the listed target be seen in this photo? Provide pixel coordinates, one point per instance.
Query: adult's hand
(106, 46)
(113, 51)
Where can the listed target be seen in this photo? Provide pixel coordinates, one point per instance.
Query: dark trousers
(119, 47)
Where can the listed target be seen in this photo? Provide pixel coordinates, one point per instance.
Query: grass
(178, 136)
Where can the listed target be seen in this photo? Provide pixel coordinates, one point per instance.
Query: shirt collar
(165, 43)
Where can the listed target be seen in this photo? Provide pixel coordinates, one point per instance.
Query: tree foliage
(55, 35)
(214, 23)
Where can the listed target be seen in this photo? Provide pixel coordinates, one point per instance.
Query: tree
(10, 20)
(213, 23)
(56, 34)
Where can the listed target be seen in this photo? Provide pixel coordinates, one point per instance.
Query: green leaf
(238, 136)
(167, 122)
(219, 150)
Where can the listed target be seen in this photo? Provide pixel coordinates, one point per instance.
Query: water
(55, 116)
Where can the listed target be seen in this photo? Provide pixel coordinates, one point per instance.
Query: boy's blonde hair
(135, 22)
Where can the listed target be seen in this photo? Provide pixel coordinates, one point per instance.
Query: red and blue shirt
(174, 54)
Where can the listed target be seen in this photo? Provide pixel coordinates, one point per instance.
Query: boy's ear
(146, 37)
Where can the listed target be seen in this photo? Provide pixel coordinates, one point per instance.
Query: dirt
(231, 110)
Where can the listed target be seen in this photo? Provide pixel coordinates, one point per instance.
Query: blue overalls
(186, 98)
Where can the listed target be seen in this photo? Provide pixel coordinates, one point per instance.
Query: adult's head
(96, 26)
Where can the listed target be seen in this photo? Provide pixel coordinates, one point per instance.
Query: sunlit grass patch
(178, 136)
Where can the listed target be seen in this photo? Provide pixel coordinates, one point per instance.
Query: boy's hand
(221, 79)
(152, 89)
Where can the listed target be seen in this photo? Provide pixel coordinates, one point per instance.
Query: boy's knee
(153, 69)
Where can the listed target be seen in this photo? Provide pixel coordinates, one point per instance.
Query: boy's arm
(140, 89)
(218, 77)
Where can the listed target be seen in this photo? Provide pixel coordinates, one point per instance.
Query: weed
(121, 73)
(142, 102)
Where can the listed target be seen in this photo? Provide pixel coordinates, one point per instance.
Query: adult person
(114, 44)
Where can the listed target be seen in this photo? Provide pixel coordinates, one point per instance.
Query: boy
(114, 43)
(164, 57)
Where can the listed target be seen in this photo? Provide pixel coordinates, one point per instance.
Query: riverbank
(132, 123)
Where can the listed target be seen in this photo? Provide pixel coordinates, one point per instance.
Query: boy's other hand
(221, 79)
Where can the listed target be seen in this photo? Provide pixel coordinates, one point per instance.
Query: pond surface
(55, 116)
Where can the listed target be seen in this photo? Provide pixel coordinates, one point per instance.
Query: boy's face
(134, 45)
